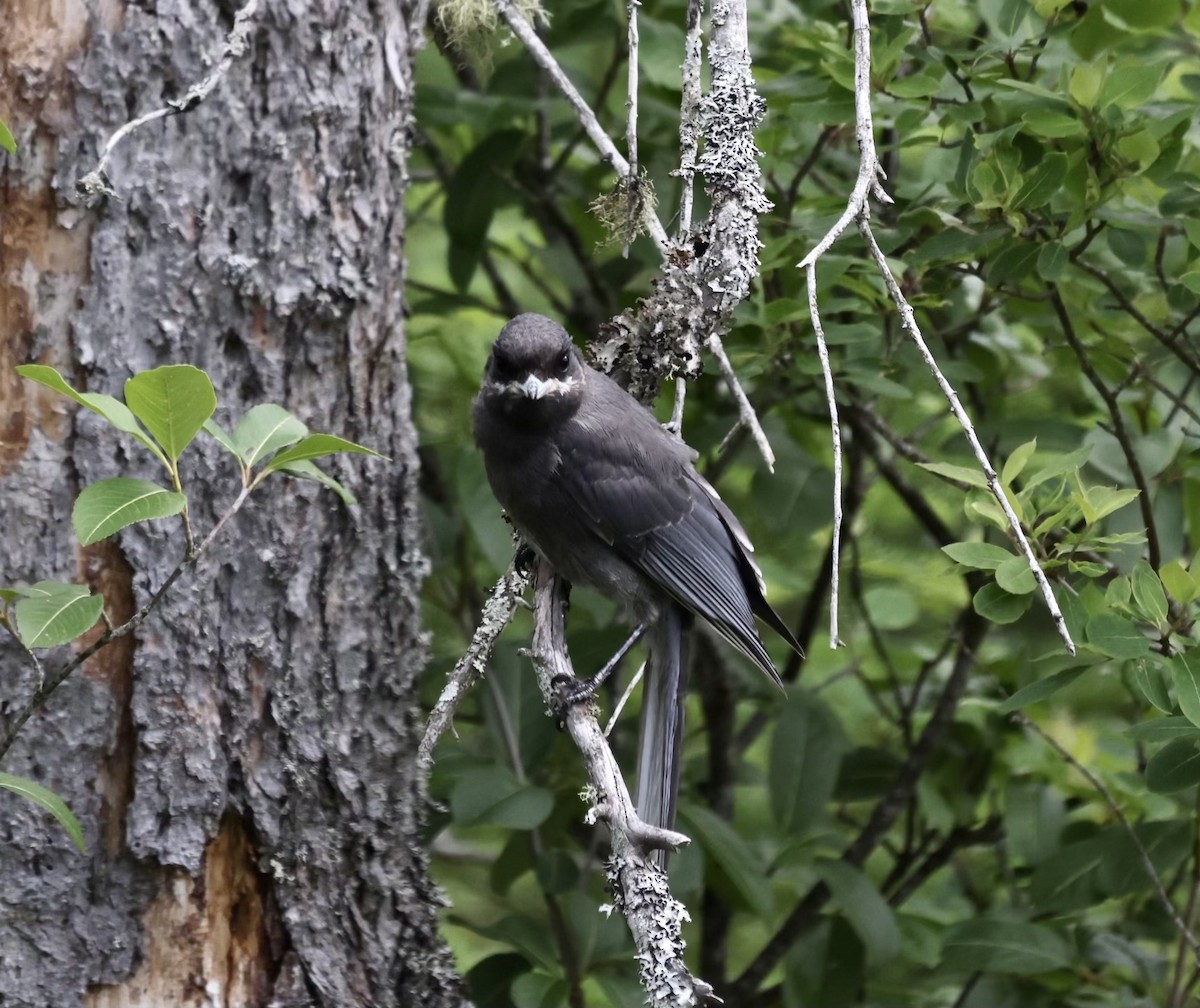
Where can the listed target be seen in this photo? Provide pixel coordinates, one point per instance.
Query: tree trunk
(243, 768)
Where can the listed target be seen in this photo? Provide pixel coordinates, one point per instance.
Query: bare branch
(858, 210)
(94, 184)
(497, 611)
(707, 272)
(640, 890)
(46, 686)
(521, 27)
(746, 416)
(689, 114)
(909, 323)
(631, 100)
(835, 428)
(1185, 933)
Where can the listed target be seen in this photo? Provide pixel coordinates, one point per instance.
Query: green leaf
(48, 800)
(1116, 636)
(956, 473)
(7, 141)
(314, 446)
(993, 946)
(866, 772)
(1059, 465)
(1096, 502)
(109, 505)
(1086, 81)
(1123, 872)
(112, 410)
(993, 603)
(977, 555)
(1164, 729)
(1130, 86)
(867, 911)
(1053, 123)
(1151, 679)
(1148, 593)
(1017, 461)
(1052, 261)
(307, 470)
(221, 436)
(492, 795)
(474, 192)
(806, 751)
(733, 855)
(1187, 686)
(1042, 183)
(1067, 879)
(264, 430)
(1015, 577)
(54, 613)
(173, 402)
(1174, 767)
(891, 607)
(1178, 580)
(1041, 689)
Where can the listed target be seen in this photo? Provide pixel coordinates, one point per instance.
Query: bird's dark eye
(501, 365)
(564, 361)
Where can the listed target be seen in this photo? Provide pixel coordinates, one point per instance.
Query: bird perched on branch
(612, 499)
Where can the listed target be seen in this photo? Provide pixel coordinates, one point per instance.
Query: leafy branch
(164, 409)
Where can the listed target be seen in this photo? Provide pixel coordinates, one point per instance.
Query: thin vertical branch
(858, 210)
(524, 31)
(689, 113)
(836, 432)
(631, 105)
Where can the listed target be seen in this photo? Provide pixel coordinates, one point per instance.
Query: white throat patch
(534, 387)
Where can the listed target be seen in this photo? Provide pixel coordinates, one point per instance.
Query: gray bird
(612, 499)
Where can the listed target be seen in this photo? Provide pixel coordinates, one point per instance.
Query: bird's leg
(585, 689)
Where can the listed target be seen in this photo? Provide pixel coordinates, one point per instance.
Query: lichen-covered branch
(497, 611)
(641, 892)
(708, 271)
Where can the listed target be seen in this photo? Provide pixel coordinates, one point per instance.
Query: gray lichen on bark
(707, 272)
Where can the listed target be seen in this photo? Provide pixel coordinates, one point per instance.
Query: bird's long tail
(660, 741)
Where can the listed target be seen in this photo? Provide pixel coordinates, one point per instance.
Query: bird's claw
(568, 692)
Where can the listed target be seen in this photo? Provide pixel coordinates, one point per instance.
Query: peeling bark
(243, 766)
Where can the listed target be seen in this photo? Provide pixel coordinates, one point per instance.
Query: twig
(95, 183)
(1119, 429)
(867, 183)
(624, 699)
(1181, 927)
(746, 415)
(858, 210)
(835, 428)
(631, 103)
(676, 422)
(909, 323)
(48, 686)
(689, 114)
(524, 31)
(640, 890)
(497, 611)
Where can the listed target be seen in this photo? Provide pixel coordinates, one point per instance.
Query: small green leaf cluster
(164, 409)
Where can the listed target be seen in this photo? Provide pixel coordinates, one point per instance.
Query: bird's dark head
(534, 371)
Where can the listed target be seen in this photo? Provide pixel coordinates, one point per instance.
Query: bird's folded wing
(665, 523)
